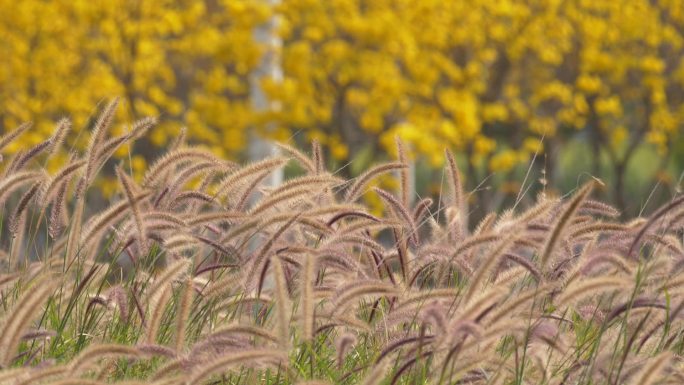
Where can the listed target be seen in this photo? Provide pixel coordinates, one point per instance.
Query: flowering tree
(497, 81)
(184, 61)
(489, 78)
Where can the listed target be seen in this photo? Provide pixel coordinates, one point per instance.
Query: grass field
(199, 273)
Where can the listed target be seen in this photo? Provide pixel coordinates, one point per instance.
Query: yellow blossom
(503, 161)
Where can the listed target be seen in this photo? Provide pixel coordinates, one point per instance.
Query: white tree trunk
(269, 68)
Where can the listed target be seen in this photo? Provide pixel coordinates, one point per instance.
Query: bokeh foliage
(497, 81)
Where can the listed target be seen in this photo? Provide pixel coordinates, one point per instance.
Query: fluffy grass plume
(196, 272)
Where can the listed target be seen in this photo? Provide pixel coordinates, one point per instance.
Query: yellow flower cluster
(463, 74)
(182, 60)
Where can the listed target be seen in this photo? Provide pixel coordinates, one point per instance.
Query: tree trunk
(620, 187)
(269, 67)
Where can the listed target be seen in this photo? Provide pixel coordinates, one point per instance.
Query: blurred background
(536, 95)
